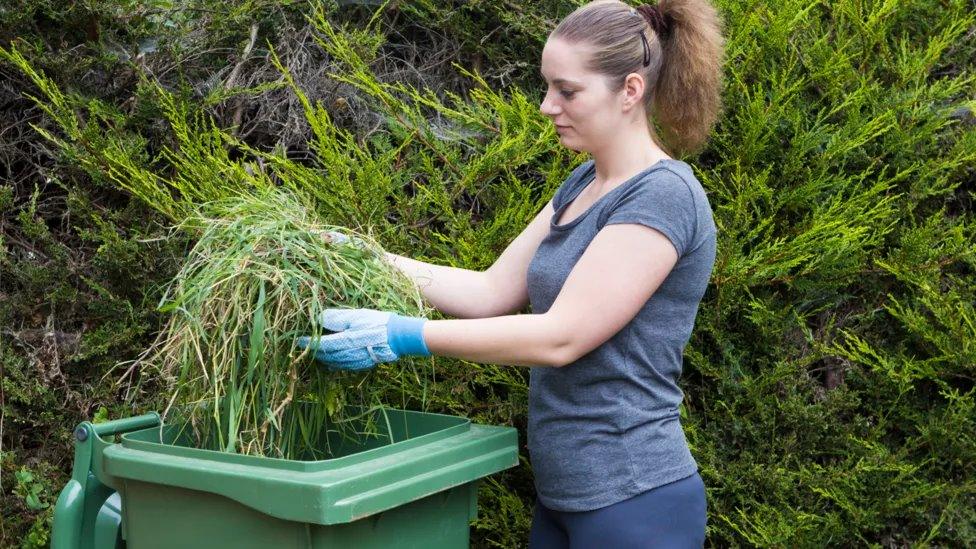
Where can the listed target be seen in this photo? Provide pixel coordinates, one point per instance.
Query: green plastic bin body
(420, 490)
(205, 520)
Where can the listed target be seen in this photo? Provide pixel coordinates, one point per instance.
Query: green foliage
(495, 35)
(34, 491)
(830, 381)
(839, 323)
(503, 516)
(30, 490)
(78, 268)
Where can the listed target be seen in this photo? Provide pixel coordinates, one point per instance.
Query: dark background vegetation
(829, 383)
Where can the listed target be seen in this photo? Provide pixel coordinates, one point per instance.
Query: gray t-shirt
(606, 427)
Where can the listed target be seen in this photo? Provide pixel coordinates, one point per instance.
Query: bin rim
(451, 426)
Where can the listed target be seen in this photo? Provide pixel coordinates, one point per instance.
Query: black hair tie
(660, 22)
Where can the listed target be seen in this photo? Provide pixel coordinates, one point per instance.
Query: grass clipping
(258, 277)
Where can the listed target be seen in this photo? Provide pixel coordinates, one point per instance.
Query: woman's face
(586, 113)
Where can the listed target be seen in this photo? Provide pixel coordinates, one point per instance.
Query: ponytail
(687, 98)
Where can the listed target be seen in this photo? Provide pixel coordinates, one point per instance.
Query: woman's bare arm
(619, 271)
(456, 292)
(464, 293)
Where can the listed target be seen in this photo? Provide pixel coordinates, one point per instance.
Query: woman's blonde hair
(681, 63)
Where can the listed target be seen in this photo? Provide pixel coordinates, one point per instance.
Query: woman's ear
(633, 90)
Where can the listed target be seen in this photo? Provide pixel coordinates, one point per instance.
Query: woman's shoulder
(669, 192)
(670, 199)
(676, 174)
(674, 169)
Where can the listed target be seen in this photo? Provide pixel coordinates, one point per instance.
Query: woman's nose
(548, 107)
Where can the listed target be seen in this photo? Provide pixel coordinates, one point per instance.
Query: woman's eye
(567, 94)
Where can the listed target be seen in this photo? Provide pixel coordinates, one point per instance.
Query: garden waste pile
(257, 278)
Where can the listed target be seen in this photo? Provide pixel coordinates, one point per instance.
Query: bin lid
(443, 452)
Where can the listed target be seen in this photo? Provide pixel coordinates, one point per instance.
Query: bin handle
(124, 425)
(74, 516)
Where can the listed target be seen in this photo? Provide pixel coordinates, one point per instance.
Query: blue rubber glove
(365, 338)
(343, 239)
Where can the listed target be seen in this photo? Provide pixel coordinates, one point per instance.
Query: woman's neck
(624, 158)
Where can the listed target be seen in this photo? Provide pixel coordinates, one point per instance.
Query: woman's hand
(335, 237)
(365, 338)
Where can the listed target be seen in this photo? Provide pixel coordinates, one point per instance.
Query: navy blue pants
(669, 516)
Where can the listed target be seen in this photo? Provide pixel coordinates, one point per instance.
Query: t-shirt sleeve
(662, 201)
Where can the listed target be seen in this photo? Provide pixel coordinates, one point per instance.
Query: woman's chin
(569, 142)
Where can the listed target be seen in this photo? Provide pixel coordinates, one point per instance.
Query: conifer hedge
(829, 382)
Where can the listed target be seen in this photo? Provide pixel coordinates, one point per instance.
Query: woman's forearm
(521, 340)
(460, 293)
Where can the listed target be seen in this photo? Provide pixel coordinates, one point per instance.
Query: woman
(614, 267)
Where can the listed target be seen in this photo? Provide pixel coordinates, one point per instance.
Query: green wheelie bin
(137, 483)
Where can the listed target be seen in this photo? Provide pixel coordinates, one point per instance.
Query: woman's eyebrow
(561, 80)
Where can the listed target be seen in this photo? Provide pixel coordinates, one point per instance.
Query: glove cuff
(406, 335)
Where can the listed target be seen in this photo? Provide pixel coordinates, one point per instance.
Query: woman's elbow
(562, 349)
(559, 358)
